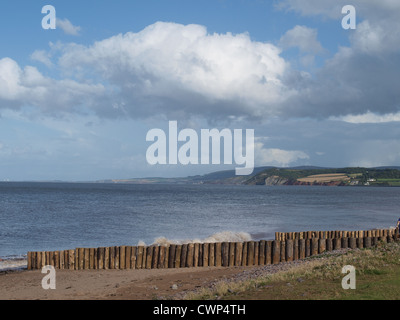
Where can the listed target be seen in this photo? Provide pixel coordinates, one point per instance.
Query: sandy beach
(123, 284)
(110, 284)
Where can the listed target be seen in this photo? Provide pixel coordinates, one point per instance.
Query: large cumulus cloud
(181, 71)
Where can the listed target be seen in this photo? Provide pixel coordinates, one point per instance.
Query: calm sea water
(58, 216)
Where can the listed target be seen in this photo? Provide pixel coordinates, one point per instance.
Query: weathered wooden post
(155, 256)
(178, 252)
(196, 255)
(261, 260)
(302, 249)
(345, 243)
(171, 256)
(218, 254)
(321, 245)
(231, 254)
(238, 253)
(276, 252)
(268, 252)
(289, 250)
(212, 254)
(329, 244)
(250, 253)
(352, 243)
(283, 251)
(184, 255)
(296, 253)
(314, 246)
(308, 247)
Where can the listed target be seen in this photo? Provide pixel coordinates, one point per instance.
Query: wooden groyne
(282, 236)
(286, 247)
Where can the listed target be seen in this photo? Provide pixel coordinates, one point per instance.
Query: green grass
(377, 278)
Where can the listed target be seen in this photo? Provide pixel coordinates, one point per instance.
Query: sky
(77, 102)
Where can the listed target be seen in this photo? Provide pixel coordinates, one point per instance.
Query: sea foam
(224, 236)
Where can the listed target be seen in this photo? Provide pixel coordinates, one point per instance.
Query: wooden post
(161, 257)
(283, 251)
(189, 260)
(308, 247)
(139, 257)
(261, 260)
(250, 253)
(154, 258)
(100, 258)
(256, 252)
(184, 255)
(367, 242)
(79, 258)
(352, 243)
(302, 249)
(206, 254)
(128, 257)
(268, 252)
(148, 256)
(231, 254)
(360, 243)
(133, 257)
(57, 259)
(337, 243)
(238, 253)
(244, 253)
(86, 254)
(91, 258)
(116, 259)
(178, 252)
(276, 252)
(171, 256)
(66, 259)
(329, 244)
(296, 253)
(196, 255)
(122, 261)
(71, 259)
(345, 243)
(289, 250)
(29, 261)
(314, 247)
(225, 254)
(166, 262)
(43, 259)
(211, 255)
(322, 245)
(112, 258)
(217, 253)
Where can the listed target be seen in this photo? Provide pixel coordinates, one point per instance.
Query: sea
(60, 216)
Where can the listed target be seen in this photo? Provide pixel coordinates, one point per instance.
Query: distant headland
(271, 176)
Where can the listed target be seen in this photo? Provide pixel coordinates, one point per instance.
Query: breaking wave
(13, 263)
(225, 236)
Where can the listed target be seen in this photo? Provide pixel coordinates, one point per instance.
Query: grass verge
(320, 278)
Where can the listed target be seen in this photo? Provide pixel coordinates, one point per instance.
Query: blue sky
(77, 102)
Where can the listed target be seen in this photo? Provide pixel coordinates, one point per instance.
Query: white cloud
(277, 157)
(68, 27)
(370, 117)
(177, 69)
(302, 37)
(333, 8)
(28, 87)
(43, 57)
